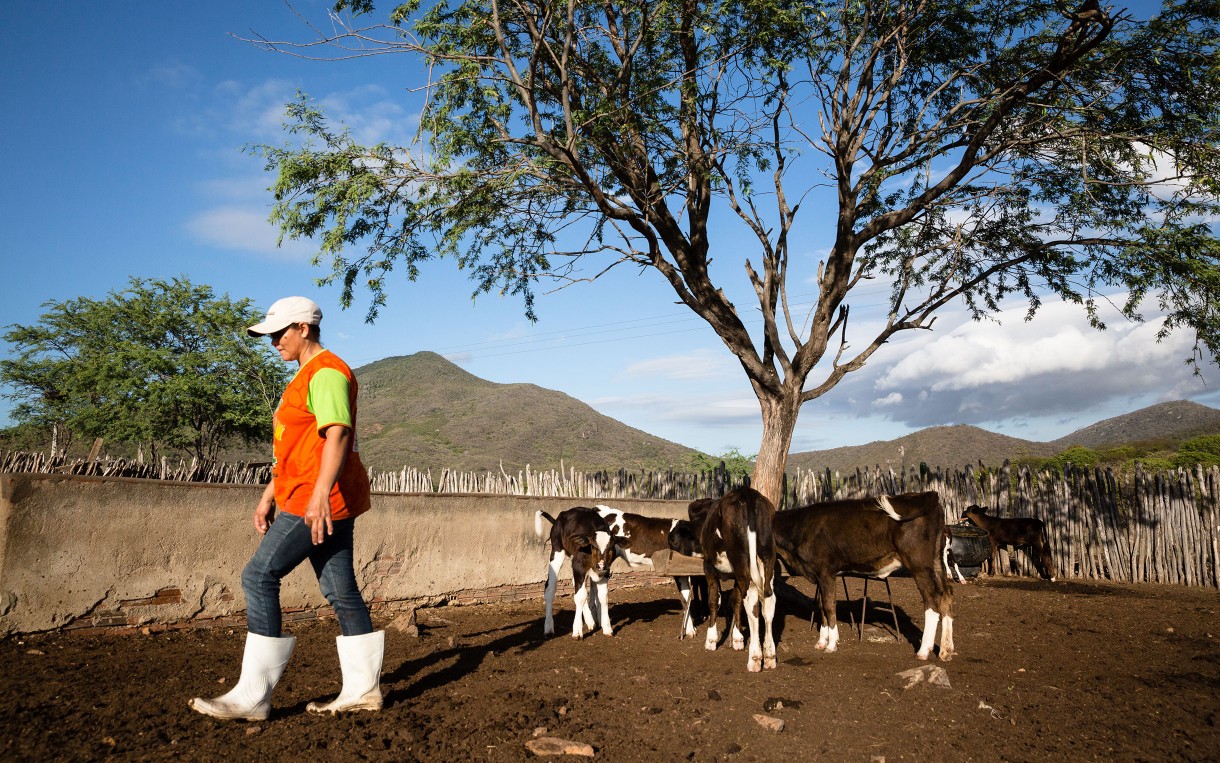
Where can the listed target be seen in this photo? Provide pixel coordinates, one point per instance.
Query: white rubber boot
(360, 658)
(261, 667)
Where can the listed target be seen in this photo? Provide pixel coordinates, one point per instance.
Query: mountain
(960, 445)
(425, 412)
(1177, 420)
(955, 445)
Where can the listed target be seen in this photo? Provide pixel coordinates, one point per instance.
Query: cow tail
(538, 517)
(756, 571)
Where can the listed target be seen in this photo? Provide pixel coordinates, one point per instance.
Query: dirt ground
(1044, 671)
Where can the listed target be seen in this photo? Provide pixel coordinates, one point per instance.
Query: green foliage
(166, 364)
(1077, 455)
(1152, 455)
(1151, 465)
(1198, 450)
(736, 463)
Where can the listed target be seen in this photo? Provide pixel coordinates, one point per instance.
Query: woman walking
(319, 487)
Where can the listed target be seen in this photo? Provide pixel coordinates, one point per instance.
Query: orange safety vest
(298, 447)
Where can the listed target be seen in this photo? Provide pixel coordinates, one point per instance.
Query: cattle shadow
(880, 613)
(469, 652)
(464, 658)
(623, 615)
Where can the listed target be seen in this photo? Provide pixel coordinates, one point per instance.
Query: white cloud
(254, 113)
(371, 115)
(1056, 365)
(700, 364)
(706, 411)
(247, 230)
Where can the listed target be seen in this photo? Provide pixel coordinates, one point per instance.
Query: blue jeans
(288, 542)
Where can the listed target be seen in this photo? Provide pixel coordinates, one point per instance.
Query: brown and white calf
(637, 538)
(1026, 533)
(872, 536)
(737, 540)
(582, 535)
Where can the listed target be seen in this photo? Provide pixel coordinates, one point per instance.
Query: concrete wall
(85, 553)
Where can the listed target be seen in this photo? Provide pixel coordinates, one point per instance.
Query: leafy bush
(1077, 455)
(1204, 449)
(1156, 464)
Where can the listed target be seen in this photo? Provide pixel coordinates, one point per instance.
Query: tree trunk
(779, 415)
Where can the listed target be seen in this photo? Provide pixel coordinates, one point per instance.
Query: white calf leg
(754, 657)
(713, 635)
(930, 618)
(828, 638)
(947, 647)
(601, 591)
(581, 599)
(552, 579)
(768, 650)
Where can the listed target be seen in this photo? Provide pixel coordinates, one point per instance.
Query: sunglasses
(276, 336)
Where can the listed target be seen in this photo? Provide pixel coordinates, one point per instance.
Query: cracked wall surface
(92, 553)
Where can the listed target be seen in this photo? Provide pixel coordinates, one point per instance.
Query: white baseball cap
(285, 312)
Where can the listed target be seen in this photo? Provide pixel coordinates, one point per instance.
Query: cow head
(684, 539)
(972, 513)
(600, 548)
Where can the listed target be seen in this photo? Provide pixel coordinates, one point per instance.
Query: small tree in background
(736, 463)
(961, 152)
(162, 364)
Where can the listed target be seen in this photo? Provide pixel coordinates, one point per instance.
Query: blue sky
(123, 156)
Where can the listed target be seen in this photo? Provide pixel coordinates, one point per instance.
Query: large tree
(162, 364)
(961, 151)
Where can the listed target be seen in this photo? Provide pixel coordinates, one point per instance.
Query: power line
(554, 340)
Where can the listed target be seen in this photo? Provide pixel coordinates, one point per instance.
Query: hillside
(960, 445)
(425, 412)
(955, 445)
(1167, 421)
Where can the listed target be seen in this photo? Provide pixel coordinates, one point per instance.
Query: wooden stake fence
(1140, 528)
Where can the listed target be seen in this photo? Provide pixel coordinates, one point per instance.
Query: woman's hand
(264, 513)
(334, 453)
(317, 518)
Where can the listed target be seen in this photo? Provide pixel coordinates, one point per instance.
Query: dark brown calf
(1025, 533)
(737, 539)
(581, 534)
(872, 536)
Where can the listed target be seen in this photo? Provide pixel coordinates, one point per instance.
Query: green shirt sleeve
(328, 399)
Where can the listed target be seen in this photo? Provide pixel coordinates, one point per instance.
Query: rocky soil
(1044, 671)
